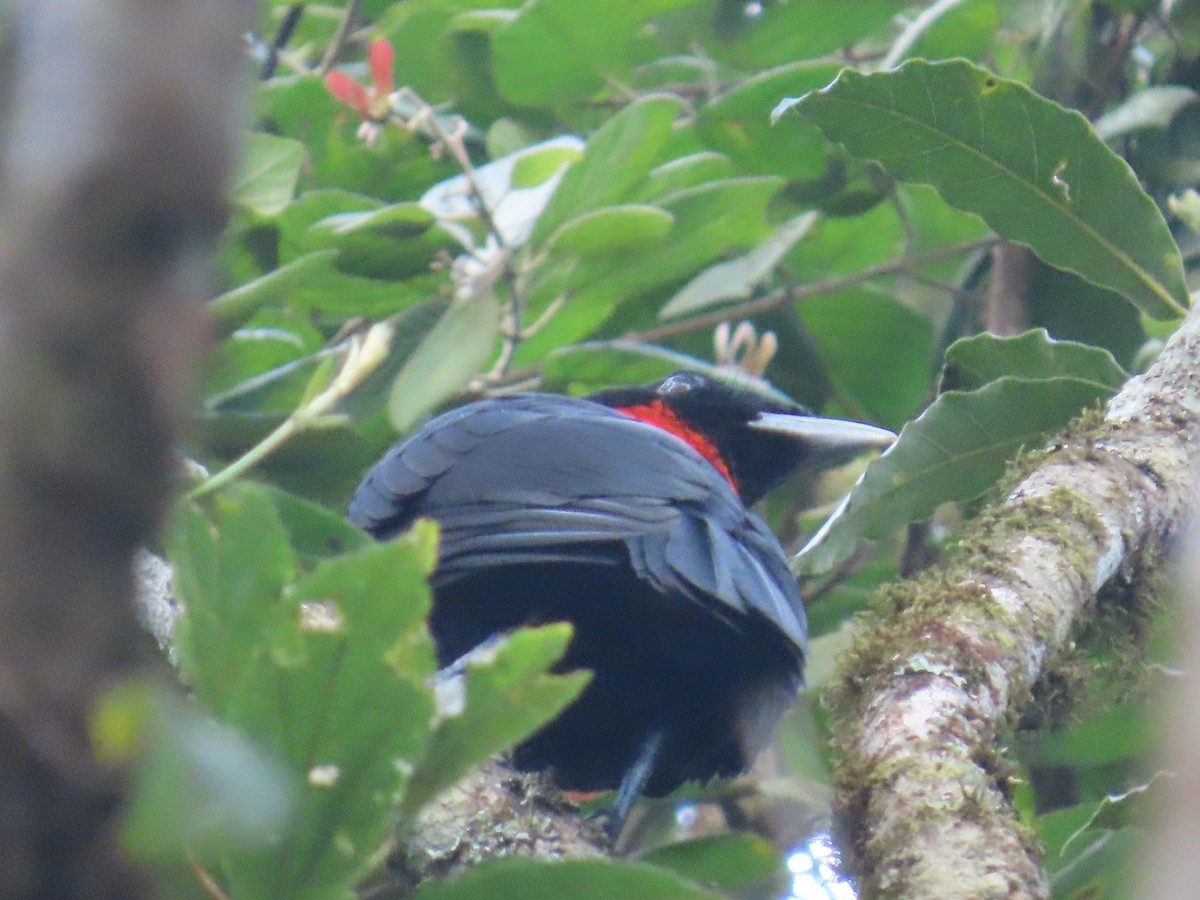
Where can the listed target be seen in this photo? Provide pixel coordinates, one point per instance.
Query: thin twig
(364, 354)
(909, 37)
(340, 37)
(283, 34)
(847, 568)
(207, 883)
(782, 296)
(454, 143)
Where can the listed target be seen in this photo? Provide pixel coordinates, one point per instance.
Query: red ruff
(658, 414)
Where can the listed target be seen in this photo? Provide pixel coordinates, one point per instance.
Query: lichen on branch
(944, 665)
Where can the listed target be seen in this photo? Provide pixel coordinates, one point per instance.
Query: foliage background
(636, 191)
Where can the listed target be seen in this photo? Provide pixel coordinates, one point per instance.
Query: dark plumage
(553, 508)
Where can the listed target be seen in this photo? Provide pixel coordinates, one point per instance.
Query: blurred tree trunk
(118, 133)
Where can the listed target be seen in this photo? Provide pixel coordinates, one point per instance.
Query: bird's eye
(678, 384)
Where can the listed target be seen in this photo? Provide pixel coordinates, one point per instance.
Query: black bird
(626, 514)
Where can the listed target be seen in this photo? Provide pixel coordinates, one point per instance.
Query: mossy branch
(933, 678)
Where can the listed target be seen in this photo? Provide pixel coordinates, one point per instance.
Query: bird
(626, 513)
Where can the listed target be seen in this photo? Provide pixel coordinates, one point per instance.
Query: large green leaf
(683, 173)
(805, 29)
(955, 450)
(449, 356)
(875, 350)
(1120, 732)
(229, 571)
(328, 670)
(1152, 107)
(508, 694)
(579, 879)
(346, 704)
(709, 219)
(316, 532)
(736, 279)
(1102, 865)
(550, 53)
(611, 229)
(397, 219)
(725, 861)
(973, 362)
(231, 309)
(594, 365)
(738, 122)
(1034, 171)
(618, 157)
(197, 787)
(266, 175)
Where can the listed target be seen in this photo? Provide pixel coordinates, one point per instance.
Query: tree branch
(795, 294)
(923, 694)
(120, 129)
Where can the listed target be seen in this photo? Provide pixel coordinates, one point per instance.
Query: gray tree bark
(918, 708)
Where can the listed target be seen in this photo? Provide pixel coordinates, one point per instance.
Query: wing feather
(541, 479)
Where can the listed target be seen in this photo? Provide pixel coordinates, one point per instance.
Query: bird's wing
(541, 478)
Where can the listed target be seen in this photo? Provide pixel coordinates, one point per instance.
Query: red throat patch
(660, 415)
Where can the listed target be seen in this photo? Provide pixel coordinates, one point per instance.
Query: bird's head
(753, 437)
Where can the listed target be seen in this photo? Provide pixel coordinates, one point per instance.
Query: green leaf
(451, 354)
(1102, 866)
(266, 175)
(508, 696)
(316, 532)
(683, 173)
(198, 787)
(723, 861)
(843, 245)
(263, 367)
(955, 450)
(328, 670)
(578, 879)
(738, 122)
(1152, 107)
(1070, 835)
(345, 703)
(539, 163)
(618, 156)
(397, 219)
(973, 362)
(595, 365)
(1072, 309)
(709, 219)
(862, 333)
(611, 229)
(228, 573)
(600, 364)
(1059, 828)
(550, 54)
(231, 309)
(1034, 171)
(1116, 734)
(737, 278)
(967, 29)
(487, 21)
(805, 29)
